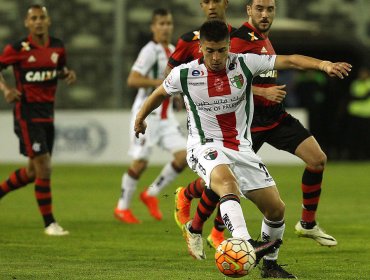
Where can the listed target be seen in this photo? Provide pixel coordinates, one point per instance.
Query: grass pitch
(100, 247)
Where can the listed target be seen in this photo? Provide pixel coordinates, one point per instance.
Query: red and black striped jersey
(36, 71)
(187, 48)
(267, 114)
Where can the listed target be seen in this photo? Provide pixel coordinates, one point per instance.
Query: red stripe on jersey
(26, 138)
(42, 120)
(165, 105)
(227, 123)
(218, 84)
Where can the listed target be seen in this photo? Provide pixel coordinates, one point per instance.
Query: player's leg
(128, 187)
(171, 139)
(22, 176)
(166, 176)
(183, 198)
(310, 152)
(272, 207)
(292, 137)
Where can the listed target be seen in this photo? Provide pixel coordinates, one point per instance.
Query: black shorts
(286, 136)
(34, 138)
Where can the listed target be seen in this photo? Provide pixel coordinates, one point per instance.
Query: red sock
(43, 197)
(311, 188)
(16, 180)
(194, 189)
(207, 204)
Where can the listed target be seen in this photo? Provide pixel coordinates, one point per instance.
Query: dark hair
(36, 6)
(214, 30)
(249, 2)
(159, 12)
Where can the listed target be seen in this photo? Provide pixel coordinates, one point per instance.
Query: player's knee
(275, 212)
(318, 162)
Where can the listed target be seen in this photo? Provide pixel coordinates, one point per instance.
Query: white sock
(271, 230)
(232, 215)
(128, 187)
(167, 175)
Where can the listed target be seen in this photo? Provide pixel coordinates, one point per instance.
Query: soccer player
(38, 61)
(271, 124)
(187, 49)
(147, 74)
(218, 99)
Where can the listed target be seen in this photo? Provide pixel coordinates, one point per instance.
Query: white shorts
(247, 167)
(164, 133)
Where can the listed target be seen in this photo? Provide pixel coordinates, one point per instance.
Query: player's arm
(274, 93)
(137, 80)
(151, 103)
(301, 62)
(10, 94)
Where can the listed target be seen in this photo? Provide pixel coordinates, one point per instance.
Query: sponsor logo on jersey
(237, 81)
(54, 57)
(40, 76)
(31, 59)
(263, 50)
(197, 83)
(211, 154)
(269, 74)
(197, 73)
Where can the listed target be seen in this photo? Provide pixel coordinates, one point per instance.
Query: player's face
(215, 54)
(162, 28)
(214, 9)
(37, 21)
(261, 14)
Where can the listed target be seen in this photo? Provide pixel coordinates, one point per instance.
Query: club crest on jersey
(237, 81)
(54, 57)
(211, 154)
(219, 84)
(196, 36)
(253, 37)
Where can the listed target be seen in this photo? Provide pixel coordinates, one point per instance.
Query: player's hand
(337, 69)
(274, 93)
(12, 95)
(69, 76)
(140, 127)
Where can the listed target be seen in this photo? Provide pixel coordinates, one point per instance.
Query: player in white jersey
(218, 100)
(146, 74)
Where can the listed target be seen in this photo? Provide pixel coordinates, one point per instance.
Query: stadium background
(114, 30)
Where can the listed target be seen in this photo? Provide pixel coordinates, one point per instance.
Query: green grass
(100, 247)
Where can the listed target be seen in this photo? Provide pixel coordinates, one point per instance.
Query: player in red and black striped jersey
(187, 47)
(38, 61)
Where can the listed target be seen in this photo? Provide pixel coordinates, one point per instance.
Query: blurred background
(103, 38)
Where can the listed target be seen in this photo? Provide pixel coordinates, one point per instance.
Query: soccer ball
(235, 257)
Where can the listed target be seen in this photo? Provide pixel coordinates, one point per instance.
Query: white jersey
(152, 62)
(219, 104)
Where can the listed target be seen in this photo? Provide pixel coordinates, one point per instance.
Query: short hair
(214, 30)
(36, 6)
(249, 2)
(160, 12)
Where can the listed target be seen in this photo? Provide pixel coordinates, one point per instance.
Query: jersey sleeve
(259, 64)
(145, 60)
(8, 57)
(172, 84)
(182, 54)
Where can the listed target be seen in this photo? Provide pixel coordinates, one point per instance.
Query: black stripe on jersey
(258, 80)
(44, 75)
(190, 36)
(243, 33)
(56, 43)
